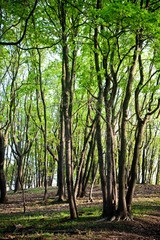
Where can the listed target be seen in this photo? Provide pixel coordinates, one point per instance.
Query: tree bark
(18, 182)
(158, 170)
(61, 176)
(98, 117)
(133, 172)
(122, 206)
(86, 141)
(67, 95)
(44, 129)
(140, 130)
(87, 171)
(3, 197)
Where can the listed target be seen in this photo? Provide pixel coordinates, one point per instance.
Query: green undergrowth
(56, 224)
(143, 206)
(47, 223)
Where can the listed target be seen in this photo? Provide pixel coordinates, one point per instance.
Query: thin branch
(40, 48)
(51, 152)
(25, 28)
(92, 94)
(149, 80)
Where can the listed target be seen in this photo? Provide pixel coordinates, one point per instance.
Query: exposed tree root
(129, 217)
(115, 218)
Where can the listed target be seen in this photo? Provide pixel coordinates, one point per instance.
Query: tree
(87, 75)
(67, 109)
(6, 114)
(98, 118)
(7, 29)
(3, 144)
(44, 129)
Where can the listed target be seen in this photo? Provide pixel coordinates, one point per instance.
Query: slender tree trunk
(114, 188)
(145, 157)
(67, 117)
(122, 206)
(69, 171)
(86, 141)
(111, 174)
(110, 136)
(101, 169)
(39, 170)
(88, 172)
(36, 163)
(98, 116)
(133, 172)
(80, 166)
(61, 177)
(128, 164)
(92, 184)
(19, 173)
(144, 166)
(3, 197)
(44, 129)
(150, 176)
(158, 170)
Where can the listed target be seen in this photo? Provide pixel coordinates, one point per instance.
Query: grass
(56, 224)
(146, 206)
(47, 223)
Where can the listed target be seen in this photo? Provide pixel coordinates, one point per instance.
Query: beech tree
(86, 75)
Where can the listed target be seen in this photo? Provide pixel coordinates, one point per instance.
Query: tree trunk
(93, 182)
(122, 206)
(98, 116)
(83, 154)
(150, 176)
(18, 182)
(140, 130)
(69, 176)
(61, 176)
(111, 170)
(44, 130)
(3, 197)
(144, 165)
(67, 110)
(133, 172)
(88, 171)
(101, 169)
(158, 170)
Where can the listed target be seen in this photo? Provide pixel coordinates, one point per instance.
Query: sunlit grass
(46, 218)
(145, 205)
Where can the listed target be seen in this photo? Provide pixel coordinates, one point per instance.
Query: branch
(29, 145)
(25, 28)
(124, 58)
(18, 152)
(41, 48)
(51, 152)
(92, 94)
(149, 79)
(152, 112)
(1, 128)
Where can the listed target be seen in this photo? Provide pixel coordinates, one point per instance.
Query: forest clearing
(50, 219)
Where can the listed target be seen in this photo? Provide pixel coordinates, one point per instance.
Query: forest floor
(50, 219)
